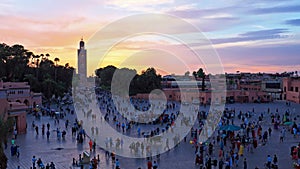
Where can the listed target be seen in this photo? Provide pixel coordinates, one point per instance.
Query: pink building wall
(206, 96)
(289, 84)
(15, 99)
(18, 112)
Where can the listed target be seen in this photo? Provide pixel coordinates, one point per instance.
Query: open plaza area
(235, 150)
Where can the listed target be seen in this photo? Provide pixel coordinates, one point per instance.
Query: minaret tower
(81, 58)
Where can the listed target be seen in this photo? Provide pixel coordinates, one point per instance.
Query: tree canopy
(147, 81)
(200, 74)
(18, 64)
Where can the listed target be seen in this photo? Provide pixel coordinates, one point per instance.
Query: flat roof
(14, 85)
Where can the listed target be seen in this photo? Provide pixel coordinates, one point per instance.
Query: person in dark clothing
(245, 163)
(275, 159)
(221, 163)
(208, 164)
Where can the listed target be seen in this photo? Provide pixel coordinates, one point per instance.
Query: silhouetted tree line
(145, 82)
(18, 64)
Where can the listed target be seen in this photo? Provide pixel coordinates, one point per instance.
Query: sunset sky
(249, 35)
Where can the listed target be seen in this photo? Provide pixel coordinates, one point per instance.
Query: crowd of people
(231, 144)
(226, 148)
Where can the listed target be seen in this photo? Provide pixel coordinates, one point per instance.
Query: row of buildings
(16, 99)
(240, 87)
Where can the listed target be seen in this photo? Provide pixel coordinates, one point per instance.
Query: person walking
(91, 144)
(97, 131)
(208, 164)
(33, 160)
(37, 130)
(149, 164)
(241, 150)
(94, 145)
(155, 165)
(43, 129)
(270, 131)
(275, 160)
(117, 164)
(221, 163)
(18, 151)
(48, 126)
(66, 124)
(52, 165)
(113, 157)
(15, 133)
(245, 163)
(48, 134)
(269, 161)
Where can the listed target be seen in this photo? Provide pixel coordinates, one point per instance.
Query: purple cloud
(208, 20)
(277, 9)
(293, 22)
(253, 35)
(198, 13)
(267, 55)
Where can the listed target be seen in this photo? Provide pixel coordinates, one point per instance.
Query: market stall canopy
(288, 123)
(230, 128)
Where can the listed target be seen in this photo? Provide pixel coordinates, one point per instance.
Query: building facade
(291, 89)
(16, 100)
(273, 88)
(241, 89)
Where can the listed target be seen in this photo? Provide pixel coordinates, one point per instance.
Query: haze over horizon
(249, 36)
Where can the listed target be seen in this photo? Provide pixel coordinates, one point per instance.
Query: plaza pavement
(181, 157)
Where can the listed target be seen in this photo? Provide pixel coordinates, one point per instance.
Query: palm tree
(36, 63)
(47, 56)
(201, 74)
(56, 60)
(42, 56)
(36, 60)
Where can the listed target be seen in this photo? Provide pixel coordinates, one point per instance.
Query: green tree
(18, 64)
(33, 82)
(144, 83)
(105, 75)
